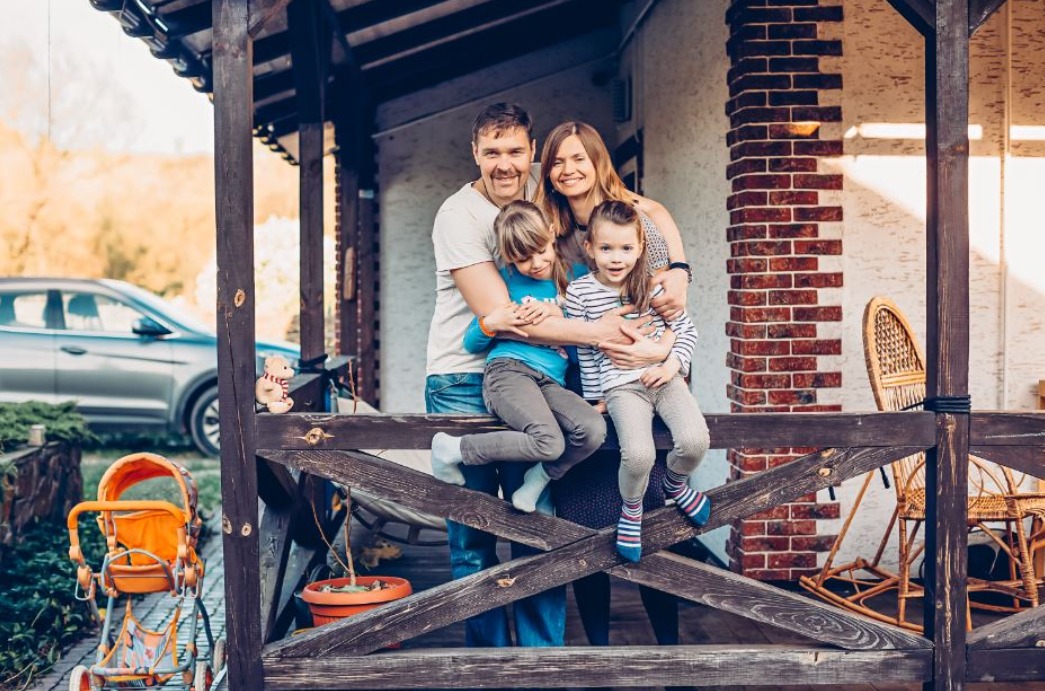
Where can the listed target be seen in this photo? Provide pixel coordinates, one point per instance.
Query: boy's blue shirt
(547, 359)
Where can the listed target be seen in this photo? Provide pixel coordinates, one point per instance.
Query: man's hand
(672, 302)
(536, 311)
(656, 377)
(505, 319)
(636, 350)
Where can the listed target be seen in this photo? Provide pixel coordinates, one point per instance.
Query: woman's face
(572, 172)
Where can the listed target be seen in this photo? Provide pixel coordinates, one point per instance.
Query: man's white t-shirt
(462, 236)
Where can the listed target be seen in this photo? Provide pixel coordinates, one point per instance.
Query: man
(467, 284)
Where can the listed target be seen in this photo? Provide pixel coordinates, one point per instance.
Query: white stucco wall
(884, 206)
(421, 165)
(678, 64)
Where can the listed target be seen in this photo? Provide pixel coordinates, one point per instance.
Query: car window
(23, 309)
(100, 313)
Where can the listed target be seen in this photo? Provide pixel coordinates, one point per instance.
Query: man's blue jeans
(540, 620)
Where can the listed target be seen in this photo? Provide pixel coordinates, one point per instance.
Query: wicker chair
(997, 506)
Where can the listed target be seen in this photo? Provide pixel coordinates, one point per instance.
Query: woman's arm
(675, 281)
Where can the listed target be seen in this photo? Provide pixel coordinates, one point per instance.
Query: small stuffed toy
(271, 389)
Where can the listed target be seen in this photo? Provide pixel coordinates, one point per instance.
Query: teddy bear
(271, 389)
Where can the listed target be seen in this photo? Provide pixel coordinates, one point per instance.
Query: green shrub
(62, 421)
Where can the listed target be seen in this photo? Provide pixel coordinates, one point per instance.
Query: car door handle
(73, 350)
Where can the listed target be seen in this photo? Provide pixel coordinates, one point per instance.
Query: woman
(576, 175)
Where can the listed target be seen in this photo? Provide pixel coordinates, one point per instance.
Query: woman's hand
(536, 311)
(672, 302)
(637, 351)
(505, 319)
(656, 377)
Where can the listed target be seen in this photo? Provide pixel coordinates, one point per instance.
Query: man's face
(504, 163)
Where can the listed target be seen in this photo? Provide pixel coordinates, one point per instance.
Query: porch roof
(387, 48)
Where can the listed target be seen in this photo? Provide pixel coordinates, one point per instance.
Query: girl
(617, 246)
(523, 382)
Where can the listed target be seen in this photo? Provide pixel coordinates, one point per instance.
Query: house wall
(421, 164)
(677, 63)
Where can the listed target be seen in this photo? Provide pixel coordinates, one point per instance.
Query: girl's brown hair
(637, 285)
(522, 231)
(608, 184)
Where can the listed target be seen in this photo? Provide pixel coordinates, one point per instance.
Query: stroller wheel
(217, 655)
(203, 678)
(80, 680)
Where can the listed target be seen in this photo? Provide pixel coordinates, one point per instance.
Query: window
(23, 309)
(99, 313)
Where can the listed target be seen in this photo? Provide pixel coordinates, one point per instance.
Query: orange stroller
(150, 548)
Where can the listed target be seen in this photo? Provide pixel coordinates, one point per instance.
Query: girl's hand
(505, 319)
(638, 352)
(656, 377)
(600, 407)
(535, 311)
(672, 302)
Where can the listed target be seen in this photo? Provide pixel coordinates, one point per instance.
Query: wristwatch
(684, 266)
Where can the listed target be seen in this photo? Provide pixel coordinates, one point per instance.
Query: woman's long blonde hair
(637, 289)
(608, 185)
(522, 231)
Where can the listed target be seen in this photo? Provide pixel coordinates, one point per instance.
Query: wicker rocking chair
(997, 507)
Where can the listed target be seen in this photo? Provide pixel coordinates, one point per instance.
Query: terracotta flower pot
(331, 606)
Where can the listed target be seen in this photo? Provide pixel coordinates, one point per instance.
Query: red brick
(760, 214)
(823, 347)
(746, 232)
(817, 246)
(747, 116)
(752, 561)
(793, 297)
(819, 408)
(779, 31)
(794, 264)
(816, 47)
(745, 364)
(749, 528)
(760, 48)
(748, 198)
(762, 149)
(761, 182)
(748, 133)
(793, 130)
(762, 381)
(745, 397)
(774, 516)
(748, 165)
(824, 280)
(744, 14)
(750, 315)
(753, 464)
(825, 214)
(736, 330)
(792, 197)
(792, 364)
(765, 544)
(818, 314)
(760, 347)
(791, 527)
(747, 99)
(816, 511)
(791, 559)
(747, 66)
(768, 574)
(831, 13)
(830, 147)
(815, 81)
(819, 380)
(820, 543)
(760, 281)
(817, 113)
(763, 82)
(794, 64)
(746, 266)
(794, 98)
(794, 230)
(746, 298)
(791, 398)
(792, 331)
(818, 182)
(760, 249)
(793, 164)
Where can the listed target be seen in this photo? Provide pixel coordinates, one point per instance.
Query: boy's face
(504, 163)
(539, 266)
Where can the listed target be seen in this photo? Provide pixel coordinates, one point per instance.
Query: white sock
(534, 481)
(446, 458)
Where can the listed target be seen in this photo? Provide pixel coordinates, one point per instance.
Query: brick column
(785, 247)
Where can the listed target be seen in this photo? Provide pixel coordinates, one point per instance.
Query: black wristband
(684, 266)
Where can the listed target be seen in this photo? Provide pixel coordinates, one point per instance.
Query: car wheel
(203, 422)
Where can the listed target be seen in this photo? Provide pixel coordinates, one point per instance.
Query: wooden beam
(980, 11)
(755, 430)
(1025, 664)
(265, 11)
(1008, 429)
(234, 211)
(947, 351)
(276, 484)
(1021, 630)
(1026, 459)
(519, 578)
(415, 490)
(631, 666)
(368, 256)
(347, 188)
(919, 13)
(766, 604)
(310, 53)
(275, 546)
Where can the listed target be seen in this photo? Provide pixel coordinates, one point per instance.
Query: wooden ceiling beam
(980, 11)
(921, 14)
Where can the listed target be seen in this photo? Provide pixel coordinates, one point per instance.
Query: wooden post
(234, 209)
(947, 301)
(368, 259)
(347, 185)
(310, 47)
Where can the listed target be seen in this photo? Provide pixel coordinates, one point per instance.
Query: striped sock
(629, 530)
(689, 501)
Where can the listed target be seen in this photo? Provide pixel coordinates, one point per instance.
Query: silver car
(128, 358)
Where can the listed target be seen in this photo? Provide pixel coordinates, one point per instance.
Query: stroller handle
(132, 505)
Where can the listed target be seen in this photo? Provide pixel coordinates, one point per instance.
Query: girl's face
(572, 172)
(539, 266)
(615, 250)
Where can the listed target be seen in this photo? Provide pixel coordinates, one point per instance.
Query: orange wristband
(486, 332)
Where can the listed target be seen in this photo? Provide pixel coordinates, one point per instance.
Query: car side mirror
(147, 326)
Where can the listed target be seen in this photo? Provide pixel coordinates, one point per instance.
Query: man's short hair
(498, 118)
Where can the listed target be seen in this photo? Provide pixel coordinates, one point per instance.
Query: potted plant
(335, 598)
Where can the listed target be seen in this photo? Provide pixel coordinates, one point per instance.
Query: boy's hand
(658, 376)
(672, 302)
(505, 319)
(535, 311)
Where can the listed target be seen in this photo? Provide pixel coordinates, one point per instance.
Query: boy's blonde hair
(637, 284)
(522, 232)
